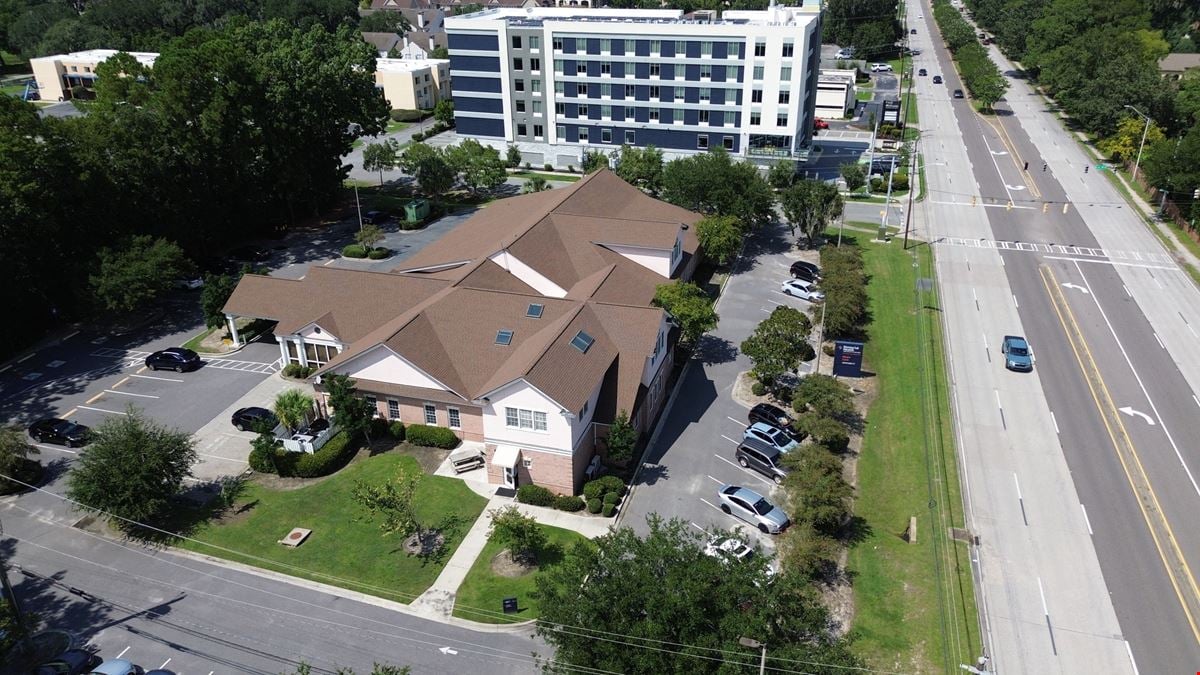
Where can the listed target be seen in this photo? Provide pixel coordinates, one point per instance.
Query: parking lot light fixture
(755, 644)
(1145, 130)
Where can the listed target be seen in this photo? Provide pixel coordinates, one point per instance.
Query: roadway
(1078, 485)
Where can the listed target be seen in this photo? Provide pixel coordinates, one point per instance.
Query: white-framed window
(705, 95)
(605, 67)
(583, 135)
(755, 118)
(655, 70)
(537, 107)
(706, 71)
(520, 129)
(785, 74)
(703, 117)
(584, 410)
(535, 64)
(559, 87)
(655, 92)
(455, 418)
(535, 42)
(393, 409)
(581, 89)
(605, 46)
(654, 114)
(680, 93)
(319, 355)
(630, 136)
(655, 47)
(758, 73)
(731, 73)
(558, 67)
(581, 67)
(560, 130)
(727, 142)
(606, 90)
(706, 48)
(526, 462)
(430, 414)
(583, 112)
(788, 49)
(606, 135)
(516, 41)
(520, 418)
(518, 64)
(781, 120)
(606, 112)
(520, 104)
(374, 403)
(518, 85)
(558, 44)
(630, 46)
(535, 86)
(680, 48)
(537, 131)
(785, 97)
(756, 95)
(760, 49)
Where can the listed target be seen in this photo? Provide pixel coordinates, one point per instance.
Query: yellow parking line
(93, 399)
(72, 411)
(121, 382)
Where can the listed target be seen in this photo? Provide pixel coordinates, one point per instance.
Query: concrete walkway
(224, 450)
(1181, 252)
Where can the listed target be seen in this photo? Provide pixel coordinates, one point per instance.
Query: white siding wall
(519, 394)
(655, 260)
(527, 274)
(384, 365)
(583, 423)
(654, 362)
(315, 334)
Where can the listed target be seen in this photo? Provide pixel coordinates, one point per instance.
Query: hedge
(568, 503)
(407, 115)
(297, 371)
(354, 251)
(396, 429)
(611, 498)
(332, 456)
(594, 506)
(535, 495)
(260, 461)
(430, 437)
(379, 253)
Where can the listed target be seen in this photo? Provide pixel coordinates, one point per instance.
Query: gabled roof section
(603, 192)
(635, 341)
(489, 275)
(586, 370)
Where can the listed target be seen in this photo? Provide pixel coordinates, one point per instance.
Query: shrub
(612, 484)
(354, 251)
(758, 389)
(407, 115)
(570, 168)
(379, 253)
(900, 181)
(260, 460)
(568, 503)
(593, 489)
(611, 498)
(528, 166)
(396, 429)
(535, 495)
(828, 349)
(594, 506)
(430, 437)
(418, 137)
(379, 427)
(297, 371)
(825, 431)
(608, 510)
(331, 457)
(547, 167)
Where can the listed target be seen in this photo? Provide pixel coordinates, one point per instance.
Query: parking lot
(693, 453)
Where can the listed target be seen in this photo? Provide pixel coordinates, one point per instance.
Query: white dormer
(525, 273)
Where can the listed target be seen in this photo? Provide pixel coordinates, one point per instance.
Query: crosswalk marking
(1061, 249)
(133, 356)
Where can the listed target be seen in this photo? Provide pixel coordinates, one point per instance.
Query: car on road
(189, 283)
(912, 31)
(70, 662)
(819, 124)
(958, 93)
(801, 266)
(375, 217)
(937, 79)
(881, 67)
(782, 440)
(252, 418)
(728, 548)
(845, 53)
(60, 431)
(753, 508)
(118, 667)
(177, 359)
(1017, 355)
(763, 458)
(250, 254)
(769, 414)
(922, 72)
(799, 288)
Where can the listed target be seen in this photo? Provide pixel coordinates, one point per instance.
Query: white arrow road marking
(999, 153)
(1076, 287)
(1135, 413)
(1014, 187)
(447, 650)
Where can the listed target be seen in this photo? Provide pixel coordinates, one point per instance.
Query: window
(537, 107)
(758, 73)
(430, 414)
(558, 44)
(705, 95)
(703, 117)
(534, 311)
(520, 418)
(584, 410)
(393, 409)
(605, 46)
(535, 64)
(535, 86)
(520, 132)
(789, 50)
(582, 89)
(781, 120)
(680, 48)
(706, 48)
(760, 49)
(582, 112)
(526, 462)
(630, 46)
(655, 47)
(731, 73)
(785, 74)
(630, 91)
(504, 337)
(755, 118)
(605, 67)
(519, 85)
(518, 64)
(374, 405)
(535, 42)
(455, 418)
(581, 67)
(583, 135)
(606, 112)
(560, 131)
(560, 108)
(516, 42)
(606, 135)
(655, 70)
(520, 105)
(606, 90)
(319, 355)
(785, 97)
(582, 341)
(558, 68)
(706, 72)
(630, 136)
(702, 143)
(756, 96)
(727, 142)
(537, 131)
(728, 118)
(680, 93)
(559, 87)
(654, 114)
(655, 92)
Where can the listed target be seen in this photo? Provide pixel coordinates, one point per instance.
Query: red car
(819, 124)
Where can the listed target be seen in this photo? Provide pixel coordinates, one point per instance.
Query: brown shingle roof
(1177, 63)
(635, 340)
(383, 42)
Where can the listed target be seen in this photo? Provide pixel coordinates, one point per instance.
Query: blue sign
(847, 358)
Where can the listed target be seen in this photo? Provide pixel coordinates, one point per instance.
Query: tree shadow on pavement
(712, 350)
(772, 239)
(696, 394)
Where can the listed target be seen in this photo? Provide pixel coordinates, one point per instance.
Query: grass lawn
(342, 550)
(910, 102)
(194, 343)
(479, 597)
(524, 175)
(921, 171)
(864, 94)
(915, 607)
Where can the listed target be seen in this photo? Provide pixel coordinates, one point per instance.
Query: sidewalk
(1177, 249)
(224, 450)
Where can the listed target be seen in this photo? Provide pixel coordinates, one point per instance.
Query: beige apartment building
(57, 75)
(413, 84)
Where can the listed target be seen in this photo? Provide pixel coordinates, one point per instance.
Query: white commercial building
(59, 74)
(836, 93)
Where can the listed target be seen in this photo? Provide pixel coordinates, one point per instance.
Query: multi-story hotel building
(559, 81)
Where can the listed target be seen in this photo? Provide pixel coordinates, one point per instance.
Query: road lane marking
(153, 377)
(735, 421)
(719, 482)
(327, 263)
(1015, 303)
(1020, 500)
(123, 381)
(1086, 519)
(1127, 293)
(711, 504)
(1001, 407)
(1046, 611)
(122, 652)
(5, 368)
(1054, 421)
(69, 413)
(976, 296)
(1197, 400)
(164, 664)
(1159, 341)
(1128, 650)
(25, 358)
(110, 412)
(128, 393)
(70, 336)
(1112, 262)
(697, 526)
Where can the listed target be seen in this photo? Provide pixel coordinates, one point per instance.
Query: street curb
(365, 598)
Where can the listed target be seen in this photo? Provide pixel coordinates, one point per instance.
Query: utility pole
(820, 339)
(1145, 130)
(358, 207)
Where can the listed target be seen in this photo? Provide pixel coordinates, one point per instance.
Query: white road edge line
(110, 412)
(152, 377)
(1197, 400)
(1055, 421)
(998, 404)
(1018, 484)
(735, 421)
(1127, 293)
(1042, 593)
(25, 358)
(1110, 262)
(1015, 303)
(1159, 341)
(698, 527)
(1086, 519)
(1128, 650)
(127, 393)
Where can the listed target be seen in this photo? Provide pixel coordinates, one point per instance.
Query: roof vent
(534, 311)
(582, 341)
(504, 337)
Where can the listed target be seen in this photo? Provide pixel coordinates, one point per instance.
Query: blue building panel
(478, 126)
(475, 104)
(593, 46)
(465, 84)
(692, 72)
(473, 42)
(482, 64)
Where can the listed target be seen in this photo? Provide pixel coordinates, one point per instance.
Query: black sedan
(177, 359)
(70, 662)
(63, 432)
(254, 418)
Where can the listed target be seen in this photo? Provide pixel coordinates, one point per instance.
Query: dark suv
(765, 412)
(755, 454)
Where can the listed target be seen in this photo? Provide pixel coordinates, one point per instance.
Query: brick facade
(561, 474)
(412, 411)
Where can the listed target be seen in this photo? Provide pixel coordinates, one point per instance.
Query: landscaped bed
(344, 549)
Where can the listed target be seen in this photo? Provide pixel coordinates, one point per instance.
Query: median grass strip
(482, 592)
(914, 603)
(354, 553)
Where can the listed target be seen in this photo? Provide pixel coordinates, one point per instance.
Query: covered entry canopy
(506, 456)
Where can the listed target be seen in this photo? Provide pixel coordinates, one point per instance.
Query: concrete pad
(224, 450)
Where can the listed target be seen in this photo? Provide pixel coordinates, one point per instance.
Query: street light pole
(1145, 131)
(755, 644)
(358, 207)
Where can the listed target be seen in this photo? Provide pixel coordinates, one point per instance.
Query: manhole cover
(295, 537)
(55, 364)
(31, 377)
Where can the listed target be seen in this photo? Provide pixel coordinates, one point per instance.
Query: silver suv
(763, 458)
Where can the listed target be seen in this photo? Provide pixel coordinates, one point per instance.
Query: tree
(825, 396)
(430, 168)
(14, 455)
(815, 489)
(1123, 146)
(136, 273)
(384, 21)
(664, 589)
(854, 175)
(214, 294)
(369, 235)
(594, 160)
(443, 112)
(439, 53)
(641, 167)
(535, 184)
(622, 439)
(689, 305)
(394, 502)
(133, 469)
(714, 184)
(519, 532)
(778, 343)
(512, 157)
(782, 174)
(810, 205)
(720, 237)
(479, 166)
(292, 408)
(381, 157)
(351, 412)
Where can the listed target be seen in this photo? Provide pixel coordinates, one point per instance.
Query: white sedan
(729, 548)
(881, 67)
(802, 289)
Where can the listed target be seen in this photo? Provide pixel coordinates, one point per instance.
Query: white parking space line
(711, 504)
(735, 421)
(122, 652)
(160, 379)
(1055, 421)
(164, 664)
(129, 393)
(110, 412)
(697, 526)
(25, 358)
(5, 368)
(718, 482)
(1159, 340)
(748, 472)
(55, 448)
(729, 439)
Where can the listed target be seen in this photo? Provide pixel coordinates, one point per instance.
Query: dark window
(582, 341)
(516, 42)
(504, 337)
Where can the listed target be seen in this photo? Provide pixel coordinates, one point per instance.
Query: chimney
(420, 19)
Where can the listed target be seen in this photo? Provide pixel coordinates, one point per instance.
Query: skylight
(504, 337)
(534, 311)
(582, 341)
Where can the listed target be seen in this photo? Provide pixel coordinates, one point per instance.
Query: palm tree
(293, 407)
(535, 184)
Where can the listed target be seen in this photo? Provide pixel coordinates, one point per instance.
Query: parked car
(845, 53)
(189, 283)
(374, 217)
(60, 431)
(752, 508)
(937, 79)
(819, 124)
(881, 67)
(177, 359)
(958, 93)
(804, 265)
(769, 414)
(1017, 355)
(922, 72)
(119, 667)
(763, 458)
(798, 288)
(780, 439)
(728, 548)
(250, 254)
(70, 662)
(912, 31)
(252, 418)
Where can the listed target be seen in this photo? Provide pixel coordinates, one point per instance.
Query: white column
(283, 352)
(230, 320)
